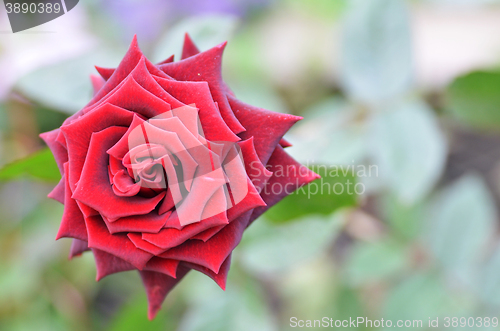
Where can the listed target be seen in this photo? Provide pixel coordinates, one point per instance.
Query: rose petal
(97, 83)
(167, 60)
(157, 286)
(198, 93)
(105, 72)
(206, 66)
(131, 224)
(58, 191)
(171, 237)
(94, 189)
(254, 168)
(58, 150)
(288, 174)
(72, 223)
(118, 245)
(213, 253)
(136, 238)
(266, 127)
(79, 132)
(164, 266)
(189, 48)
(220, 278)
(108, 264)
(78, 247)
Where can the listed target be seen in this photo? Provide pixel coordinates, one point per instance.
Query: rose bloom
(164, 169)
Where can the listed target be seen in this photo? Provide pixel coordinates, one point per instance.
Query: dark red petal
(108, 264)
(128, 63)
(121, 148)
(58, 150)
(78, 247)
(168, 60)
(132, 96)
(206, 66)
(79, 132)
(252, 200)
(97, 83)
(256, 171)
(198, 93)
(136, 238)
(285, 143)
(189, 48)
(94, 188)
(58, 192)
(219, 278)
(164, 266)
(133, 224)
(171, 237)
(115, 244)
(265, 126)
(213, 253)
(105, 72)
(158, 286)
(288, 175)
(219, 219)
(207, 234)
(72, 223)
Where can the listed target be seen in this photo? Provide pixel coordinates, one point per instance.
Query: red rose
(164, 169)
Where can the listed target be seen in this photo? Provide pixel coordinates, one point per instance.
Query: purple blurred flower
(148, 18)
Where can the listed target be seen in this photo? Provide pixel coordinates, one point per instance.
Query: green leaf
(474, 99)
(335, 189)
(206, 31)
(40, 165)
(409, 150)
(461, 220)
(269, 248)
(376, 46)
(375, 262)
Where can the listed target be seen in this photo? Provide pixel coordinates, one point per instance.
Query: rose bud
(164, 169)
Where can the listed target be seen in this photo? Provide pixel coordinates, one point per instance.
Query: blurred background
(401, 97)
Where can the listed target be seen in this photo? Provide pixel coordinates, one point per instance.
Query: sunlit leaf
(40, 165)
(474, 99)
(337, 188)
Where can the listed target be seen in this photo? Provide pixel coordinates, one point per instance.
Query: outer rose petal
(213, 253)
(158, 286)
(72, 223)
(108, 264)
(297, 175)
(189, 48)
(115, 244)
(266, 127)
(220, 278)
(78, 247)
